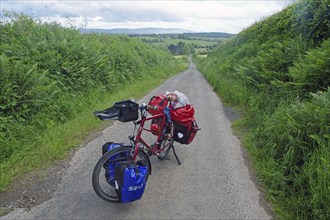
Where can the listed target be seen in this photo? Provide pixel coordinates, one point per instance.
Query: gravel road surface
(213, 182)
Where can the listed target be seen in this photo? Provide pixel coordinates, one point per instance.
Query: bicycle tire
(102, 188)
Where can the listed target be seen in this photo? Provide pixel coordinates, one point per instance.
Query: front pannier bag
(111, 163)
(130, 181)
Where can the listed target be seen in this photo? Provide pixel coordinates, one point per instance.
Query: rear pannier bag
(160, 101)
(130, 181)
(155, 126)
(184, 132)
(111, 163)
(183, 113)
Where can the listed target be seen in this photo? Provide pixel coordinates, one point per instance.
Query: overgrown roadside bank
(53, 78)
(277, 73)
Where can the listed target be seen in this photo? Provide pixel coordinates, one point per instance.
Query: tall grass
(52, 78)
(277, 73)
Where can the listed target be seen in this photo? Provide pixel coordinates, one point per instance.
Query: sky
(230, 16)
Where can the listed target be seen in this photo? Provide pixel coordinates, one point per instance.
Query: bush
(297, 138)
(277, 72)
(311, 73)
(48, 73)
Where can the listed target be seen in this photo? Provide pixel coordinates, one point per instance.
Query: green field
(197, 43)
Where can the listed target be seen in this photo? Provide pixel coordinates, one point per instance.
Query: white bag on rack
(182, 99)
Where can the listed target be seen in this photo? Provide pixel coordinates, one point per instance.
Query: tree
(180, 47)
(173, 48)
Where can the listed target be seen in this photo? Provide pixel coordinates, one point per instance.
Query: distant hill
(210, 34)
(150, 31)
(137, 31)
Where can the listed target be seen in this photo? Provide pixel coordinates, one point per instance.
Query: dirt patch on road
(33, 188)
(231, 114)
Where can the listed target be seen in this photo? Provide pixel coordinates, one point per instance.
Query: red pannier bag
(160, 101)
(184, 124)
(184, 132)
(183, 113)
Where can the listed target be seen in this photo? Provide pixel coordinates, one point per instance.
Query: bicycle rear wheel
(103, 178)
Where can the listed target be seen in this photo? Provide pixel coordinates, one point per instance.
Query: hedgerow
(277, 72)
(49, 74)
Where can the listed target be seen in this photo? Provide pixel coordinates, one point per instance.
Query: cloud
(227, 16)
(134, 13)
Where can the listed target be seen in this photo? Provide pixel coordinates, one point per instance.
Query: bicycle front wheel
(103, 177)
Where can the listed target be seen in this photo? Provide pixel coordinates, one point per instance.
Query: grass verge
(56, 142)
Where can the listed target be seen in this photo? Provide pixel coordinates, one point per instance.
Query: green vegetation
(277, 72)
(53, 78)
(187, 43)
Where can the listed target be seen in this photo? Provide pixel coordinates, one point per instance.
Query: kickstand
(176, 156)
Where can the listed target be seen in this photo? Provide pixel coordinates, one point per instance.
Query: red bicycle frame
(154, 148)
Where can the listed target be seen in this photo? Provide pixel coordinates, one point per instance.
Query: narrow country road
(213, 182)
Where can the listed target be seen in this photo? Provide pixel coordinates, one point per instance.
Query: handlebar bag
(123, 111)
(111, 163)
(130, 181)
(128, 110)
(185, 132)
